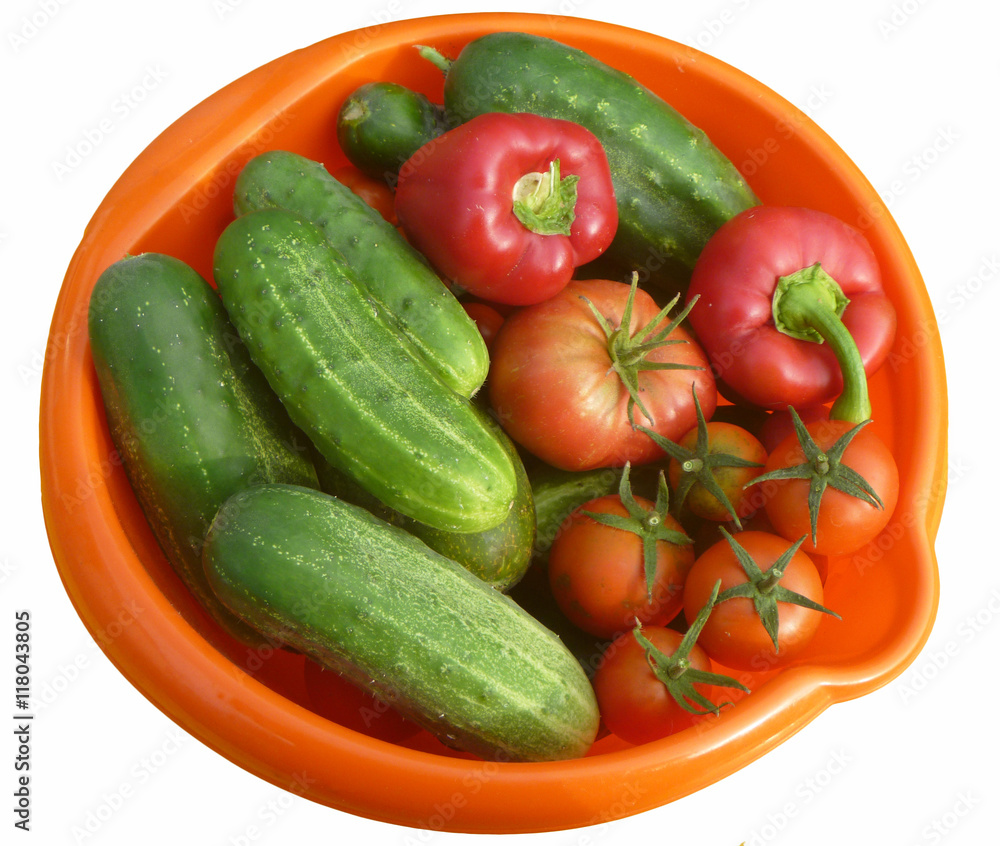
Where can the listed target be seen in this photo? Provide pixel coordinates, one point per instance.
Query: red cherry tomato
(634, 704)
(598, 576)
(487, 318)
(844, 522)
(734, 634)
(373, 191)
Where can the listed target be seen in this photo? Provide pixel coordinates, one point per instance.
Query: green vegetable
(353, 384)
(499, 556)
(192, 418)
(674, 186)
(382, 124)
(377, 605)
(408, 292)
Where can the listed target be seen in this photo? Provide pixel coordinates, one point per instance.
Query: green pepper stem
(808, 305)
(545, 202)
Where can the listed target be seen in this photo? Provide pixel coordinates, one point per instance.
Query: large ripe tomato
(560, 376)
(635, 705)
(735, 634)
(598, 573)
(844, 521)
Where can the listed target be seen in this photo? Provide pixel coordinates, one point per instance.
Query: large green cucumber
(381, 124)
(396, 276)
(376, 604)
(499, 556)
(674, 186)
(192, 418)
(353, 384)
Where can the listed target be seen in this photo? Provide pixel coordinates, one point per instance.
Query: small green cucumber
(352, 383)
(499, 556)
(192, 418)
(382, 124)
(377, 605)
(674, 186)
(395, 275)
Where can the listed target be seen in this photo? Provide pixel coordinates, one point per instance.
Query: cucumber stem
(435, 57)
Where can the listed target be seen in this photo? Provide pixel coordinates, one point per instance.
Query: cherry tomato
(844, 521)
(567, 381)
(598, 573)
(635, 705)
(373, 191)
(334, 697)
(779, 426)
(735, 634)
(723, 442)
(487, 318)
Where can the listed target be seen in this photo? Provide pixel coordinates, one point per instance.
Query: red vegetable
(576, 379)
(773, 282)
(618, 560)
(508, 205)
(654, 681)
(768, 606)
(831, 480)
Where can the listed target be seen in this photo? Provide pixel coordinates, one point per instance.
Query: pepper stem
(545, 202)
(808, 305)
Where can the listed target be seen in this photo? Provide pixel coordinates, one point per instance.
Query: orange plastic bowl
(252, 707)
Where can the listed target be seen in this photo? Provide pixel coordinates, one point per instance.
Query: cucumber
(674, 186)
(352, 383)
(499, 556)
(192, 418)
(377, 605)
(395, 275)
(557, 493)
(382, 124)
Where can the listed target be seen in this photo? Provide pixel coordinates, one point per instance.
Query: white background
(908, 88)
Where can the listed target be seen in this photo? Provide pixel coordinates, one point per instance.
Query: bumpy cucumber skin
(382, 124)
(674, 187)
(352, 383)
(396, 276)
(499, 556)
(192, 418)
(376, 604)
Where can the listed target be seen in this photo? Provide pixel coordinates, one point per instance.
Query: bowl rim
(169, 662)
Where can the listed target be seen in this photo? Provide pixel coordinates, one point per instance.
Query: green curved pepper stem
(808, 305)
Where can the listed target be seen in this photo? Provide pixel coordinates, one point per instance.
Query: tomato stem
(675, 671)
(808, 305)
(629, 352)
(763, 588)
(697, 465)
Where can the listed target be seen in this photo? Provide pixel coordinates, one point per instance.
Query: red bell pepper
(791, 310)
(508, 205)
